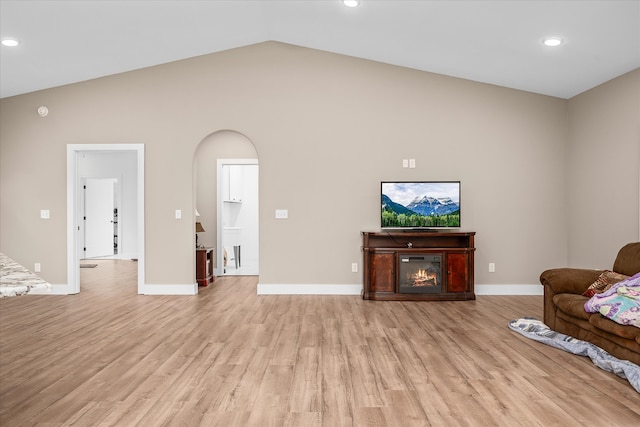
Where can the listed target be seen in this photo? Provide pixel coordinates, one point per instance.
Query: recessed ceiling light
(552, 41)
(350, 3)
(9, 42)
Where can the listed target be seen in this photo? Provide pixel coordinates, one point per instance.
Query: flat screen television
(420, 204)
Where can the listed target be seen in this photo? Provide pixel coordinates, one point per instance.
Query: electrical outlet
(405, 163)
(492, 267)
(354, 267)
(178, 214)
(36, 267)
(282, 214)
(412, 163)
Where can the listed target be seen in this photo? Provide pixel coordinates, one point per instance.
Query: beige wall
(603, 171)
(327, 129)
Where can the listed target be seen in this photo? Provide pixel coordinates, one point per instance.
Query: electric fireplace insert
(420, 273)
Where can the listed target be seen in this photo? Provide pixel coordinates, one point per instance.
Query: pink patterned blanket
(621, 303)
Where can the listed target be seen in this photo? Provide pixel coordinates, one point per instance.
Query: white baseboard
(509, 290)
(182, 289)
(179, 289)
(126, 256)
(289, 289)
(63, 289)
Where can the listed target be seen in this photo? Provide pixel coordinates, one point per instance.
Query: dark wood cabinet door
(383, 272)
(457, 272)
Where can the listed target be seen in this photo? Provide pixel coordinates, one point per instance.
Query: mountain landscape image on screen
(423, 210)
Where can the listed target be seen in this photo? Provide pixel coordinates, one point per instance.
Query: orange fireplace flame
(423, 277)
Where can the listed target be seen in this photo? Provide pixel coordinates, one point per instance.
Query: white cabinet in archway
(234, 183)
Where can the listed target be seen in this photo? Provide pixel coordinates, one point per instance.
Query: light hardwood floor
(228, 357)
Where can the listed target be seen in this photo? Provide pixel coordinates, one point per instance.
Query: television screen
(420, 204)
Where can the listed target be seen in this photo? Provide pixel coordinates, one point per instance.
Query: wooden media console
(418, 265)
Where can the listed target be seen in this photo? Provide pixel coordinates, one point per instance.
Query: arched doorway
(229, 221)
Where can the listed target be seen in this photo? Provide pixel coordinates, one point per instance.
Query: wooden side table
(204, 266)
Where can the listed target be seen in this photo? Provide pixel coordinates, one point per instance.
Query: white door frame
(73, 200)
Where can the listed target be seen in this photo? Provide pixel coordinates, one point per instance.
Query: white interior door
(99, 204)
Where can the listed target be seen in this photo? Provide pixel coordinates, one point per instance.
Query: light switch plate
(178, 214)
(44, 214)
(282, 214)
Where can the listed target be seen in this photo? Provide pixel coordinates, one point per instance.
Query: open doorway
(238, 216)
(118, 169)
(212, 188)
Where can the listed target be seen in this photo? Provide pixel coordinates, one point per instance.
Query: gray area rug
(538, 331)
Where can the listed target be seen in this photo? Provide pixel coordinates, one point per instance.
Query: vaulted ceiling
(496, 42)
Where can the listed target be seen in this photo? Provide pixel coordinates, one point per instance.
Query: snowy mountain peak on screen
(431, 206)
